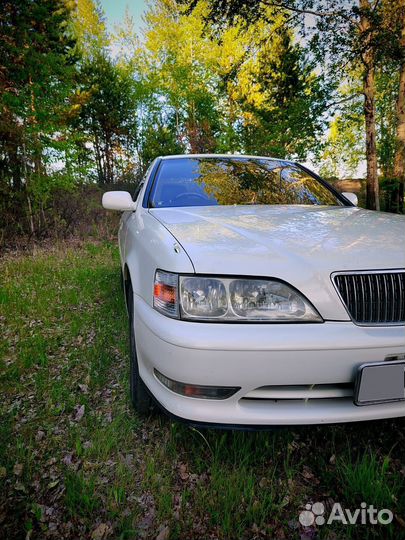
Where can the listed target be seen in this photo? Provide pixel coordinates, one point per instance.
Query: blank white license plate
(380, 382)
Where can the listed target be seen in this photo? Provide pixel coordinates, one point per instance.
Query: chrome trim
(302, 391)
(363, 273)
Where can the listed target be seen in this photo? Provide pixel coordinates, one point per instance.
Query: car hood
(302, 245)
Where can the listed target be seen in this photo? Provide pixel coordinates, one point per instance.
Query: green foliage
(387, 93)
(181, 70)
(89, 28)
(80, 105)
(104, 111)
(282, 97)
(159, 140)
(344, 149)
(247, 89)
(342, 37)
(37, 54)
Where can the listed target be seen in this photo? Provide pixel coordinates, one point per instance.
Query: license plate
(380, 382)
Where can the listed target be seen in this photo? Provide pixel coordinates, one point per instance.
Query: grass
(369, 478)
(76, 461)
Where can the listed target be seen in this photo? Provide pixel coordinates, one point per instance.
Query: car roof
(240, 156)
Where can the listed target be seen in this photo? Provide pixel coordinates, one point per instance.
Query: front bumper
(253, 356)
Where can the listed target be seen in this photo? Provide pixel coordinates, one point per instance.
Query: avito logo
(315, 514)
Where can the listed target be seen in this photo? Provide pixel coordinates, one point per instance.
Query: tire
(140, 398)
(122, 282)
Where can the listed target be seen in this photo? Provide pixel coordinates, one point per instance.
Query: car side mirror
(118, 200)
(351, 197)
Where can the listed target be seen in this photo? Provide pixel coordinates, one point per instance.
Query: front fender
(148, 246)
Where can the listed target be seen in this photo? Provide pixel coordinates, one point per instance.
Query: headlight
(203, 298)
(229, 299)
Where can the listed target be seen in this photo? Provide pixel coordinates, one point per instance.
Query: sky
(115, 10)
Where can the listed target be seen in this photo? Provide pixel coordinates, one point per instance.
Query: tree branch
(376, 2)
(302, 11)
(343, 100)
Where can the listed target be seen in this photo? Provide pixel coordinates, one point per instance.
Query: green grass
(81, 498)
(368, 478)
(63, 346)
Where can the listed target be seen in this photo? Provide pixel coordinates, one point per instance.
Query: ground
(77, 462)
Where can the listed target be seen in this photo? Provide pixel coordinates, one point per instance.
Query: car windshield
(236, 181)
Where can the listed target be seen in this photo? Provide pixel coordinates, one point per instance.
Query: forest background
(84, 108)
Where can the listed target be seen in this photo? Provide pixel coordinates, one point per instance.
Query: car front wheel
(140, 397)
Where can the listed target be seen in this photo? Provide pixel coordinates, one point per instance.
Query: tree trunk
(372, 199)
(108, 154)
(16, 165)
(99, 164)
(372, 188)
(399, 163)
(30, 214)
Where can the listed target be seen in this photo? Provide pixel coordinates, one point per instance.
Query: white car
(258, 295)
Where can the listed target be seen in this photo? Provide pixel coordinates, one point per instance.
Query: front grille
(373, 298)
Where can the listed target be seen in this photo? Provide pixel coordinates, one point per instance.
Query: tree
(89, 27)
(37, 56)
(283, 99)
(106, 114)
(104, 106)
(245, 88)
(181, 64)
(345, 33)
(394, 17)
(344, 148)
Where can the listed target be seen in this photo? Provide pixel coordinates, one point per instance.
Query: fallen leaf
(280, 535)
(84, 388)
(183, 471)
(3, 472)
(400, 521)
(263, 482)
(332, 459)
(101, 531)
(40, 435)
(67, 460)
(147, 521)
(163, 533)
(307, 473)
(53, 484)
(18, 469)
(79, 413)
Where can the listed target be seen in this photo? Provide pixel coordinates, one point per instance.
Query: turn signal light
(165, 293)
(197, 390)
